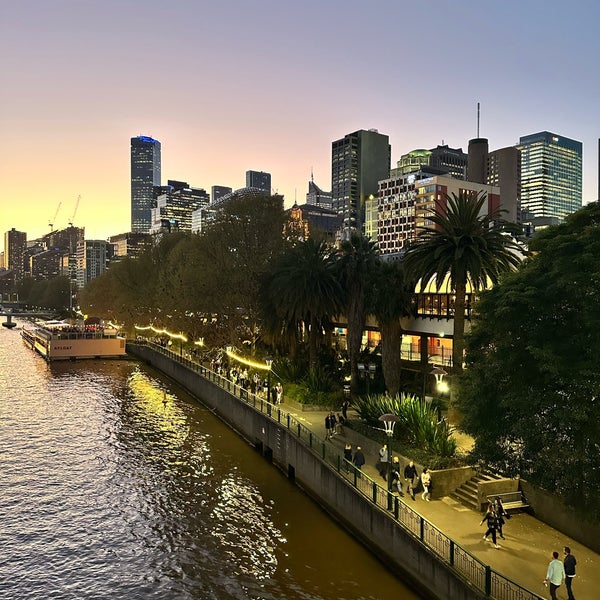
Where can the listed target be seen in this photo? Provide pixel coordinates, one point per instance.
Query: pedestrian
(395, 475)
(426, 483)
(359, 458)
(328, 426)
(554, 575)
(492, 524)
(273, 395)
(569, 564)
(279, 389)
(501, 514)
(410, 476)
(347, 456)
(333, 422)
(382, 465)
(345, 406)
(339, 424)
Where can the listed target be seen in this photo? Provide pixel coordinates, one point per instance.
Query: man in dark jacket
(569, 563)
(410, 474)
(359, 458)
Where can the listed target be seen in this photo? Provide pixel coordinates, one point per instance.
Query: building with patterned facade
(145, 175)
(551, 174)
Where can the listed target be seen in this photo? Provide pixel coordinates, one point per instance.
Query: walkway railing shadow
(478, 574)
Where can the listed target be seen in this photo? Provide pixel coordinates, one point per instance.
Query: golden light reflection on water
(245, 529)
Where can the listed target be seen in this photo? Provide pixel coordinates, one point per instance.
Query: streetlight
(269, 362)
(367, 372)
(389, 421)
(441, 386)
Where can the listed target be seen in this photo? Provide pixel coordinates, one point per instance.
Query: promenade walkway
(524, 554)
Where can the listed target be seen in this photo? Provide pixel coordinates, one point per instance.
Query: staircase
(467, 493)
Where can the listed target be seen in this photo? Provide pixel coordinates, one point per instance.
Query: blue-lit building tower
(551, 174)
(145, 174)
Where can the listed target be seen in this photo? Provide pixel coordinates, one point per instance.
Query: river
(116, 484)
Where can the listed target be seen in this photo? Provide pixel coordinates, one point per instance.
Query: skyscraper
(145, 174)
(15, 245)
(258, 180)
(358, 162)
(551, 173)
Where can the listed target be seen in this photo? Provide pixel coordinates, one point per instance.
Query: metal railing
(478, 574)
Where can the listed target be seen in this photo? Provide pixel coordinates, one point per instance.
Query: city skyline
(270, 90)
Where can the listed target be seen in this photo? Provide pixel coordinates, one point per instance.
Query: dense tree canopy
(530, 394)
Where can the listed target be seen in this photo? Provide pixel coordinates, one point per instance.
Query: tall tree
(357, 263)
(463, 246)
(303, 287)
(392, 299)
(529, 395)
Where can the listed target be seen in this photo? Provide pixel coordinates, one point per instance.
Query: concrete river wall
(405, 542)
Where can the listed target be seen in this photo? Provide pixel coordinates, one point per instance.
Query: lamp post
(367, 372)
(269, 361)
(440, 385)
(389, 421)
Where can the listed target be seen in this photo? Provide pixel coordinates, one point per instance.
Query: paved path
(522, 557)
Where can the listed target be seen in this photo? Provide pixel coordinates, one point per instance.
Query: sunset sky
(232, 85)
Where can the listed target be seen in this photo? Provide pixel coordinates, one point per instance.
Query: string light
(249, 363)
(174, 336)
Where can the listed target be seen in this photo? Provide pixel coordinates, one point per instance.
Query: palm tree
(303, 287)
(391, 300)
(357, 263)
(462, 247)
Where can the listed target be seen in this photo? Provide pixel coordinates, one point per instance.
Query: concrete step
(465, 499)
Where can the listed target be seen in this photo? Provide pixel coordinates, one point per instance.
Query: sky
(267, 85)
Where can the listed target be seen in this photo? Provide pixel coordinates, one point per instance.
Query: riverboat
(59, 340)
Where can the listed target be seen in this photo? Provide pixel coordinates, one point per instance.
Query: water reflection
(117, 485)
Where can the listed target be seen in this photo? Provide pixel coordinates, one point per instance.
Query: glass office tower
(145, 174)
(551, 174)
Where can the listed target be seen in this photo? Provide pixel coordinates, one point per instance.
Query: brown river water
(108, 492)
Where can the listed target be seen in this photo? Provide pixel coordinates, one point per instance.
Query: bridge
(10, 312)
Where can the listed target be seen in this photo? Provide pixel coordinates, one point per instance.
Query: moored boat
(59, 340)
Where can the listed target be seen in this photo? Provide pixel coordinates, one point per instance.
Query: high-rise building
(218, 191)
(317, 197)
(145, 175)
(358, 162)
(503, 170)
(551, 174)
(15, 247)
(405, 202)
(258, 180)
(92, 257)
(175, 204)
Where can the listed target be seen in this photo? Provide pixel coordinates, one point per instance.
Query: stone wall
(549, 509)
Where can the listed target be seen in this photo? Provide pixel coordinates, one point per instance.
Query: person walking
(328, 427)
(345, 406)
(410, 476)
(333, 423)
(569, 565)
(279, 389)
(492, 524)
(383, 465)
(347, 456)
(395, 475)
(501, 514)
(359, 458)
(426, 483)
(554, 575)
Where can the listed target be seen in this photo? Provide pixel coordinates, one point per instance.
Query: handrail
(493, 584)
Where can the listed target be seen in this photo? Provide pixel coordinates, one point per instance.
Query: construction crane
(74, 211)
(51, 223)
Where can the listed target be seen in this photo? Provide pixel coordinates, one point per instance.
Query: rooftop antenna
(312, 176)
(478, 120)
